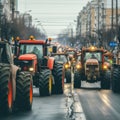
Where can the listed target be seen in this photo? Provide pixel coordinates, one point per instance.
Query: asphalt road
(98, 104)
(90, 103)
(44, 108)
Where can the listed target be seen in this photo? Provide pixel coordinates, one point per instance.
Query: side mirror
(54, 49)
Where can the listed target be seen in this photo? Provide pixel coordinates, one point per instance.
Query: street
(87, 103)
(99, 104)
(59, 60)
(55, 107)
(44, 108)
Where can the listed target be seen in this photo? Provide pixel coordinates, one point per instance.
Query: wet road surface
(44, 108)
(99, 104)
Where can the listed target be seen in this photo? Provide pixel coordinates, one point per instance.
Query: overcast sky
(55, 15)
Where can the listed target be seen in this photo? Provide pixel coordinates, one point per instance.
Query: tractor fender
(14, 70)
(50, 63)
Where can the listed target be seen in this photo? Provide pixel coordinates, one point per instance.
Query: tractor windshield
(93, 55)
(31, 48)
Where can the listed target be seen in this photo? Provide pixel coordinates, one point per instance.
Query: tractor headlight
(67, 66)
(105, 67)
(78, 66)
(31, 69)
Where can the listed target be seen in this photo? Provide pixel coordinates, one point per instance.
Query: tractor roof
(93, 49)
(108, 54)
(32, 41)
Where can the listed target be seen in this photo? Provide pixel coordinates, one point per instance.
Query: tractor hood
(27, 57)
(92, 62)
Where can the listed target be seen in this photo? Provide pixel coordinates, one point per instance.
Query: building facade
(96, 16)
(7, 10)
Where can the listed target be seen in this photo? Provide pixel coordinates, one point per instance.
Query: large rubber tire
(77, 80)
(6, 90)
(45, 83)
(59, 74)
(68, 76)
(116, 80)
(24, 91)
(105, 81)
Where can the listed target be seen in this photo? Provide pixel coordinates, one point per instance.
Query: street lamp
(37, 23)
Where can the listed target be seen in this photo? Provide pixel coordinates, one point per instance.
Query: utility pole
(112, 17)
(98, 22)
(1, 7)
(103, 25)
(13, 9)
(12, 22)
(117, 17)
(90, 24)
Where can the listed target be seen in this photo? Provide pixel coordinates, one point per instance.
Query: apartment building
(96, 15)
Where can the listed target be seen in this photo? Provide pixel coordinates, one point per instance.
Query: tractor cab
(92, 67)
(31, 52)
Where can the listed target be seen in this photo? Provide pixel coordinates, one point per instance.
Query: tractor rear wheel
(6, 89)
(115, 80)
(45, 83)
(59, 74)
(24, 91)
(77, 80)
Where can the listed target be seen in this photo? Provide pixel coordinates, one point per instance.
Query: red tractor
(15, 85)
(92, 68)
(33, 56)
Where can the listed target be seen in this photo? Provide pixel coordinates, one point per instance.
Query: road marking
(78, 111)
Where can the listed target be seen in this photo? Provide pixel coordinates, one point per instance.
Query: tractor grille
(92, 68)
(25, 65)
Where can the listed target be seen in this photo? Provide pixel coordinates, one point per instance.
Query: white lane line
(77, 108)
(78, 111)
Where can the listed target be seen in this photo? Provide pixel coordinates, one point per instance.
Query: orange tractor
(15, 85)
(92, 68)
(67, 58)
(33, 56)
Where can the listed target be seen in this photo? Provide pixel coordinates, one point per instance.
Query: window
(31, 48)
(97, 55)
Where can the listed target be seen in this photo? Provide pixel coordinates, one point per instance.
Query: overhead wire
(54, 19)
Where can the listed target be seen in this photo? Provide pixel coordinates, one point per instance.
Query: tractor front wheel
(45, 83)
(105, 81)
(59, 74)
(68, 76)
(77, 80)
(24, 91)
(115, 80)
